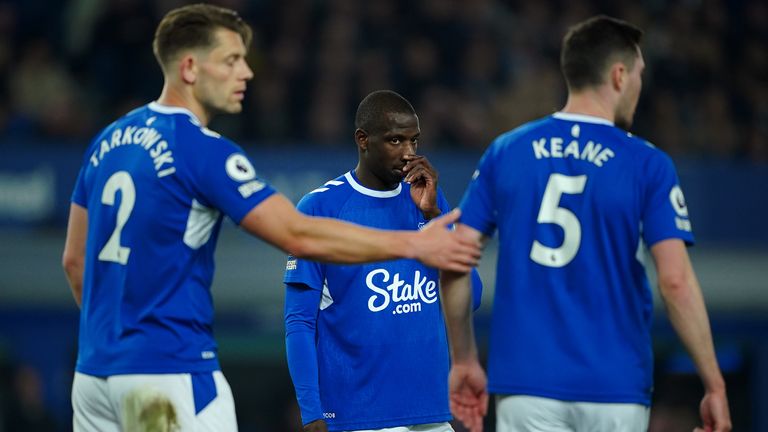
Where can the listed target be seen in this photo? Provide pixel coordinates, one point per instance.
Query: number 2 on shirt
(551, 212)
(119, 181)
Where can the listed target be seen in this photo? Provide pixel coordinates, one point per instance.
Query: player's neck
(172, 96)
(367, 179)
(592, 103)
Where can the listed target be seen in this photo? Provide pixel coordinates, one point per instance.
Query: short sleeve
(478, 206)
(664, 210)
(228, 180)
(309, 273)
(79, 194)
(80, 191)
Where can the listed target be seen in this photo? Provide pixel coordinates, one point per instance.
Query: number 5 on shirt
(551, 212)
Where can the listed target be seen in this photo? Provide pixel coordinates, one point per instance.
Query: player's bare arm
(467, 384)
(684, 302)
(276, 221)
(316, 426)
(73, 259)
(423, 179)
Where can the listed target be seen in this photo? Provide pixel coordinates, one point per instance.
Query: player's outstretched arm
(73, 259)
(685, 306)
(467, 387)
(324, 239)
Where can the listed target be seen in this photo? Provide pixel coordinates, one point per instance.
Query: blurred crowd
(472, 69)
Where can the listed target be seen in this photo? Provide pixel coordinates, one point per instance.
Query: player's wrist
(410, 246)
(715, 386)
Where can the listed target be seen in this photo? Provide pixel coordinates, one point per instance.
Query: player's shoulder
(326, 198)
(643, 148)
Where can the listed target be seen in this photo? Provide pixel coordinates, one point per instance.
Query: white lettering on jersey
(553, 148)
(290, 265)
(146, 137)
(408, 297)
(251, 188)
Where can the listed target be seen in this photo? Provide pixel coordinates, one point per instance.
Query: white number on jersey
(551, 212)
(119, 181)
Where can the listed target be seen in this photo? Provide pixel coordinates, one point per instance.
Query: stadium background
(471, 69)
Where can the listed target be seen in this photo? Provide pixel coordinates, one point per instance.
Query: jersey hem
(147, 369)
(571, 397)
(380, 424)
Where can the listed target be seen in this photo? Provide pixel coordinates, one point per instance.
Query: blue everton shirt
(573, 199)
(156, 185)
(379, 355)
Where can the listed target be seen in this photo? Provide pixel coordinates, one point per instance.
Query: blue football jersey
(156, 185)
(381, 343)
(573, 199)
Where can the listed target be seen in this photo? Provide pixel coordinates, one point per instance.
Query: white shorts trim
(116, 403)
(517, 413)
(427, 427)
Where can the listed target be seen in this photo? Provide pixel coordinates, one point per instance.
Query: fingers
(467, 412)
(418, 167)
(484, 404)
(448, 250)
(447, 219)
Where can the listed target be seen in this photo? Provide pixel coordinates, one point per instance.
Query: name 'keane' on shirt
(148, 138)
(554, 148)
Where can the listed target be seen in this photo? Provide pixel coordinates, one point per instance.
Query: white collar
(581, 118)
(370, 192)
(167, 109)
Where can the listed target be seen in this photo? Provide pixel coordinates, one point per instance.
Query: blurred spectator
(473, 69)
(43, 93)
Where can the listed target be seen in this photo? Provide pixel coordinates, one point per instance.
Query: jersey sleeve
(228, 180)
(664, 211)
(80, 191)
(478, 206)
(301, 308)
(309, 273)
(79, 194)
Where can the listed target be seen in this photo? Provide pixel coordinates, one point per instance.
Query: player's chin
(234, 108)
(397, 175)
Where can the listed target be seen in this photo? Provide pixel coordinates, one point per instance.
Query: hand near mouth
(423, 180)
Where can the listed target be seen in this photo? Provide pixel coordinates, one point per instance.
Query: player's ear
(361, 139)
(188, 69)
(618, 76)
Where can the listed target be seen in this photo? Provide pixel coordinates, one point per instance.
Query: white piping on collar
(581, 118)
(166, 109)
(370, 192)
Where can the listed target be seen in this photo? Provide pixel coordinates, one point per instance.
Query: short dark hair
(193, 26)
(372, 111)
(591, 45)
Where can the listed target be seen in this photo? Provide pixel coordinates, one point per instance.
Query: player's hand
(442, 248)
(714, 413)
(468, 394)
(423, 179)
(316, 426)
